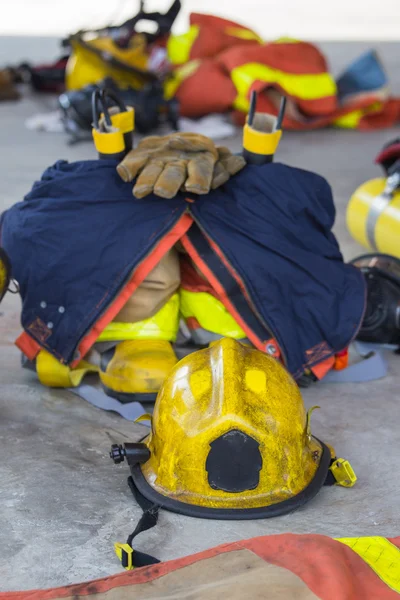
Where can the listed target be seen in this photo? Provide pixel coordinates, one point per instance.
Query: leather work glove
(189, 162)
(227, 164)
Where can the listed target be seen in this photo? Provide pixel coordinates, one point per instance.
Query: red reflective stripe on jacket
(138, 277)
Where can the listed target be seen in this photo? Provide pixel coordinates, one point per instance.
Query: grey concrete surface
(63, 503)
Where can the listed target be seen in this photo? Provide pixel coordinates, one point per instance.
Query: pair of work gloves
(187, 162)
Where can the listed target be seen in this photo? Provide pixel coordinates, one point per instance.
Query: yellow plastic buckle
(125, 555)
(343, 472)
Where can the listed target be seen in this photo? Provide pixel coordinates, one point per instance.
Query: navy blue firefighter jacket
(80, 243)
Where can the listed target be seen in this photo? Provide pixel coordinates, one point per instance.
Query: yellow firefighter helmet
(230, 439)
(93, 60)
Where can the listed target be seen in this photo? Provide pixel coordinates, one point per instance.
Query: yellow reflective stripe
(172, 84)
(349, 121)
(287, 40)
(380, 554)
(163, 325)
(179, 46)
(306, 87)
(241, 103)
(53, 374)
(352, 119)
(210, 313)
(243, 34)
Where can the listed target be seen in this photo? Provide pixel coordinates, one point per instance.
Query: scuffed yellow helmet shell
(230, 432)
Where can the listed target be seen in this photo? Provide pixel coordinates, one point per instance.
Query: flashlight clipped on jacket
(262, 133)
(112, 127)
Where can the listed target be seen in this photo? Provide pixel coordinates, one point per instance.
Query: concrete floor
(63, 503)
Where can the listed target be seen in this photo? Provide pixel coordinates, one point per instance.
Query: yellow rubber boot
(136, 369)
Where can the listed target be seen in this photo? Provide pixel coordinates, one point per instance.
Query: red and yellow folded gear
(303, 566)
(218, 64)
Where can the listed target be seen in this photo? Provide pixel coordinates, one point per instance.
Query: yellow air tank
(373, 213)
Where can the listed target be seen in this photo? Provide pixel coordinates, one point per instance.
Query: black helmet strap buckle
(130, 558)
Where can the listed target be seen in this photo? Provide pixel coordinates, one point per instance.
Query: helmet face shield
(230, 438)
